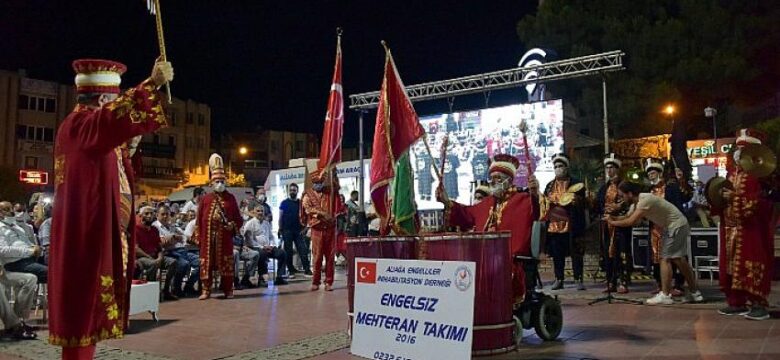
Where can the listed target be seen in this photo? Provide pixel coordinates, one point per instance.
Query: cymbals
(566, 198)
(575, 188)
(757, 160)
(712, 191)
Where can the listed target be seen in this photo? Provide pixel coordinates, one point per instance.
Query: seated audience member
(12, 235)
(24, 286)
(44, 235)
(175, 246)
(149, 252)
(251, 258)
(258, 237)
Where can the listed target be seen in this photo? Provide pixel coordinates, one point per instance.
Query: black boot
(237, 284)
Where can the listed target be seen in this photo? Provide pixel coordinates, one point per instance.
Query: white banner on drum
(413, 309)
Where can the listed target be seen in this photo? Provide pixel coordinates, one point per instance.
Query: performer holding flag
(321, 204)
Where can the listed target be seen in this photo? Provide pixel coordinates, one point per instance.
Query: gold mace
(154, 9)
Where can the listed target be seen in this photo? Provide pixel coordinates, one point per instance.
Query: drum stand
(609, 298)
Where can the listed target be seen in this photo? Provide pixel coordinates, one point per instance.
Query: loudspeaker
(641, 250)
(703, 242)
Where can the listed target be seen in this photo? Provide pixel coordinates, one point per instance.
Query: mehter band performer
(617, 241)
(218, 220)
(746, 249)
(508, 209)
(92, 247)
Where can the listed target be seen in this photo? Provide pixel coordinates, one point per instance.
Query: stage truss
(503, 79)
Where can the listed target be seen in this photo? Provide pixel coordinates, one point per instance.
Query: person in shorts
(674, 245)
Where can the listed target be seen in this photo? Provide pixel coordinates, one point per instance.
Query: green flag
(404, 210)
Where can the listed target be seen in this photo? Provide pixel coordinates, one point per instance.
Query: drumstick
(523, 130)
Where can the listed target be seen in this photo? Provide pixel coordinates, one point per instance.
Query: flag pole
(161, 43)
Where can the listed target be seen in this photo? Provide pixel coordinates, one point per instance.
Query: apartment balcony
(162, 173)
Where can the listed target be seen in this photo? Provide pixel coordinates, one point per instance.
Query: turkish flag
(330, 150)
(366, 272)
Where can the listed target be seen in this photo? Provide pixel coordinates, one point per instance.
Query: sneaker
(677, 293)
(733, 310)
(622, 289)
(660, 299)
(581, 285)
(262, 283)
(757, 313)
(695, 297)
(169, 297)
(291, 276)
(557, 285)
(279, 281)
(308, 273)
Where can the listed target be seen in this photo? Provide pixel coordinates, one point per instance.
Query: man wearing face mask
(20, 234)
(291, 231)
(506, 209)
(218, 220)
(746, 246)
(262, 198)
(321, 206)
(617, 240)
(671, 193)
(91, 243)
(566, 224)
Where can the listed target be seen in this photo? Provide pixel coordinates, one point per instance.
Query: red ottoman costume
(92, 250)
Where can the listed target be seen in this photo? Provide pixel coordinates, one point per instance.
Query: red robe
(516, 214)
(323, 233)
(92, 256)
(747, 241)
(209, 229)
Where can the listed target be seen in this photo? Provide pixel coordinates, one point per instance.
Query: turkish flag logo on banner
(366, 272)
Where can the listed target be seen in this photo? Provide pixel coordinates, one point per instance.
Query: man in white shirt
(674, 246)
(192, 205)
(12, 249)
(176, 245)
(14, 235)
(259, 237)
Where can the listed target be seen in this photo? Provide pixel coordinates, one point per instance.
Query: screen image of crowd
(474, 137)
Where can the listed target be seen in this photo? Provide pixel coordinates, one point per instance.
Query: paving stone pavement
(309, 347)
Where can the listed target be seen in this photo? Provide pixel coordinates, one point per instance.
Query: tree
(693, 53)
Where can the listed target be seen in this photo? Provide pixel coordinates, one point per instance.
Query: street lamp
(669, 110)
(243, 150)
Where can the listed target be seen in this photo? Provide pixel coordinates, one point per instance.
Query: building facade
(31, 111)
(265, 151)
(177, 155)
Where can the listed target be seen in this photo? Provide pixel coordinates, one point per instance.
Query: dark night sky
(269, 64)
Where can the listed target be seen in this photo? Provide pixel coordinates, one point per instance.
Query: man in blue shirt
(291, 231)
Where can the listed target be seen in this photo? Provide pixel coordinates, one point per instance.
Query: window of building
(48, 135)
(30, 162)
(299, 145)
(201, 120)
(21, 132)
(171, 140)
(171, 117)
(188, 142)
(156, 139)
(34, 133)
(189, 118)
(37, 103)
(274, 146)
(50, 105)
(38, 134)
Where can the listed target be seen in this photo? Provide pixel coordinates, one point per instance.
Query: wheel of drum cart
(548, 319)
(517, 330)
